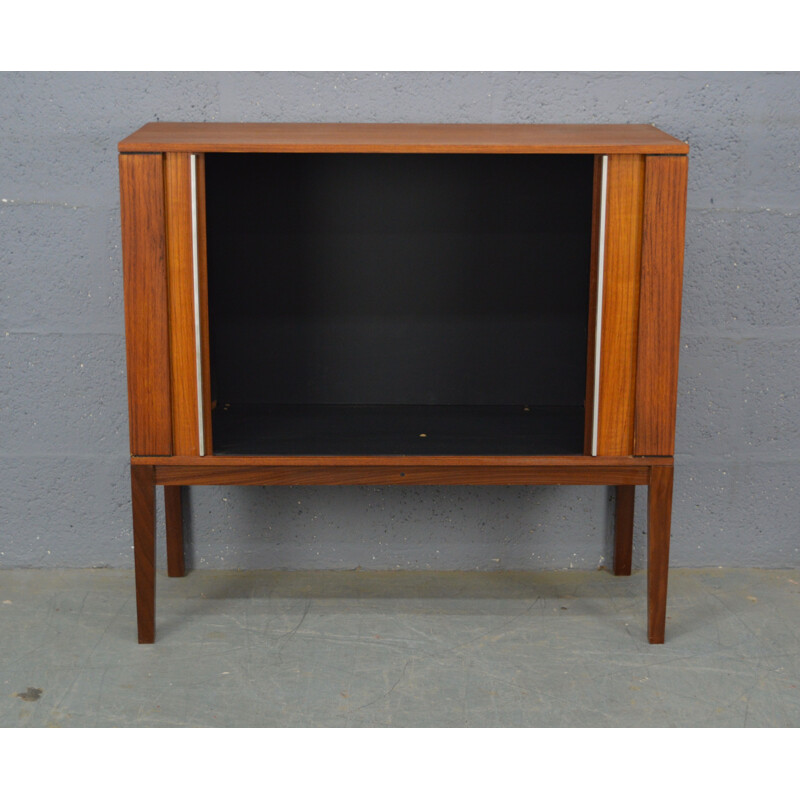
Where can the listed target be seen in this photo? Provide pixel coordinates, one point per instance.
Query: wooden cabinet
(402, 304)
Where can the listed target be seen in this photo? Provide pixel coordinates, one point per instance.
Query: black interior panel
(397, 280)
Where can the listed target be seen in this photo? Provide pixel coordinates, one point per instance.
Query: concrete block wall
(64, 496)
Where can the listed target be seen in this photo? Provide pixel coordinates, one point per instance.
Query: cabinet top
(261, 137)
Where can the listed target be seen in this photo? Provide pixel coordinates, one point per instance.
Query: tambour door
(634, 341)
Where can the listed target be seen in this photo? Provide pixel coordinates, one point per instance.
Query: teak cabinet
(402, 304)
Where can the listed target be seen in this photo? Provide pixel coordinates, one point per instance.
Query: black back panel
(399, 278)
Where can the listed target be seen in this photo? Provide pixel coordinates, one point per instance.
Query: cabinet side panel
(146, 306)
(620, 312)
(662, 282)
(180, 272)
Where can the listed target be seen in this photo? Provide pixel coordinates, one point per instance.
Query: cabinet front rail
(413, 474)
(380, 470)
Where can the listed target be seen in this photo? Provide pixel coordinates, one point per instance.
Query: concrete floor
(402, 649)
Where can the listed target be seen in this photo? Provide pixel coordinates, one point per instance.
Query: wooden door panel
(180, 271)
(620, 304)
(146, 305)
(660, 303)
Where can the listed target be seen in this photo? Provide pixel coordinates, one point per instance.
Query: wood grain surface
(289, 475)
(143, 502)
(173, 513)
(659, 520)
(255, 137)
(623, 530)
(146, 306)
(620, 312)
(660, 304)
(180, 271)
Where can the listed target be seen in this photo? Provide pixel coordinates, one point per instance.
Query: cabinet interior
(382, 304)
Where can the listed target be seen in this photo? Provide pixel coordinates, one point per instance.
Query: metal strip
(601, 253)
(196, 285)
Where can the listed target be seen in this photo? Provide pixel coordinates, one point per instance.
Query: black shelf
(264, 429)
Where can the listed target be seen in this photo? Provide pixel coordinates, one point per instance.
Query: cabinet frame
(634, 323)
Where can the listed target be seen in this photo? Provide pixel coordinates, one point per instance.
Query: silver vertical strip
(198, 352)
(601, 254)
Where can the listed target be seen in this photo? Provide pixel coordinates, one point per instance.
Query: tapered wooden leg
(143, 501)
(174, 513)
(623, 530)
(659, 519)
